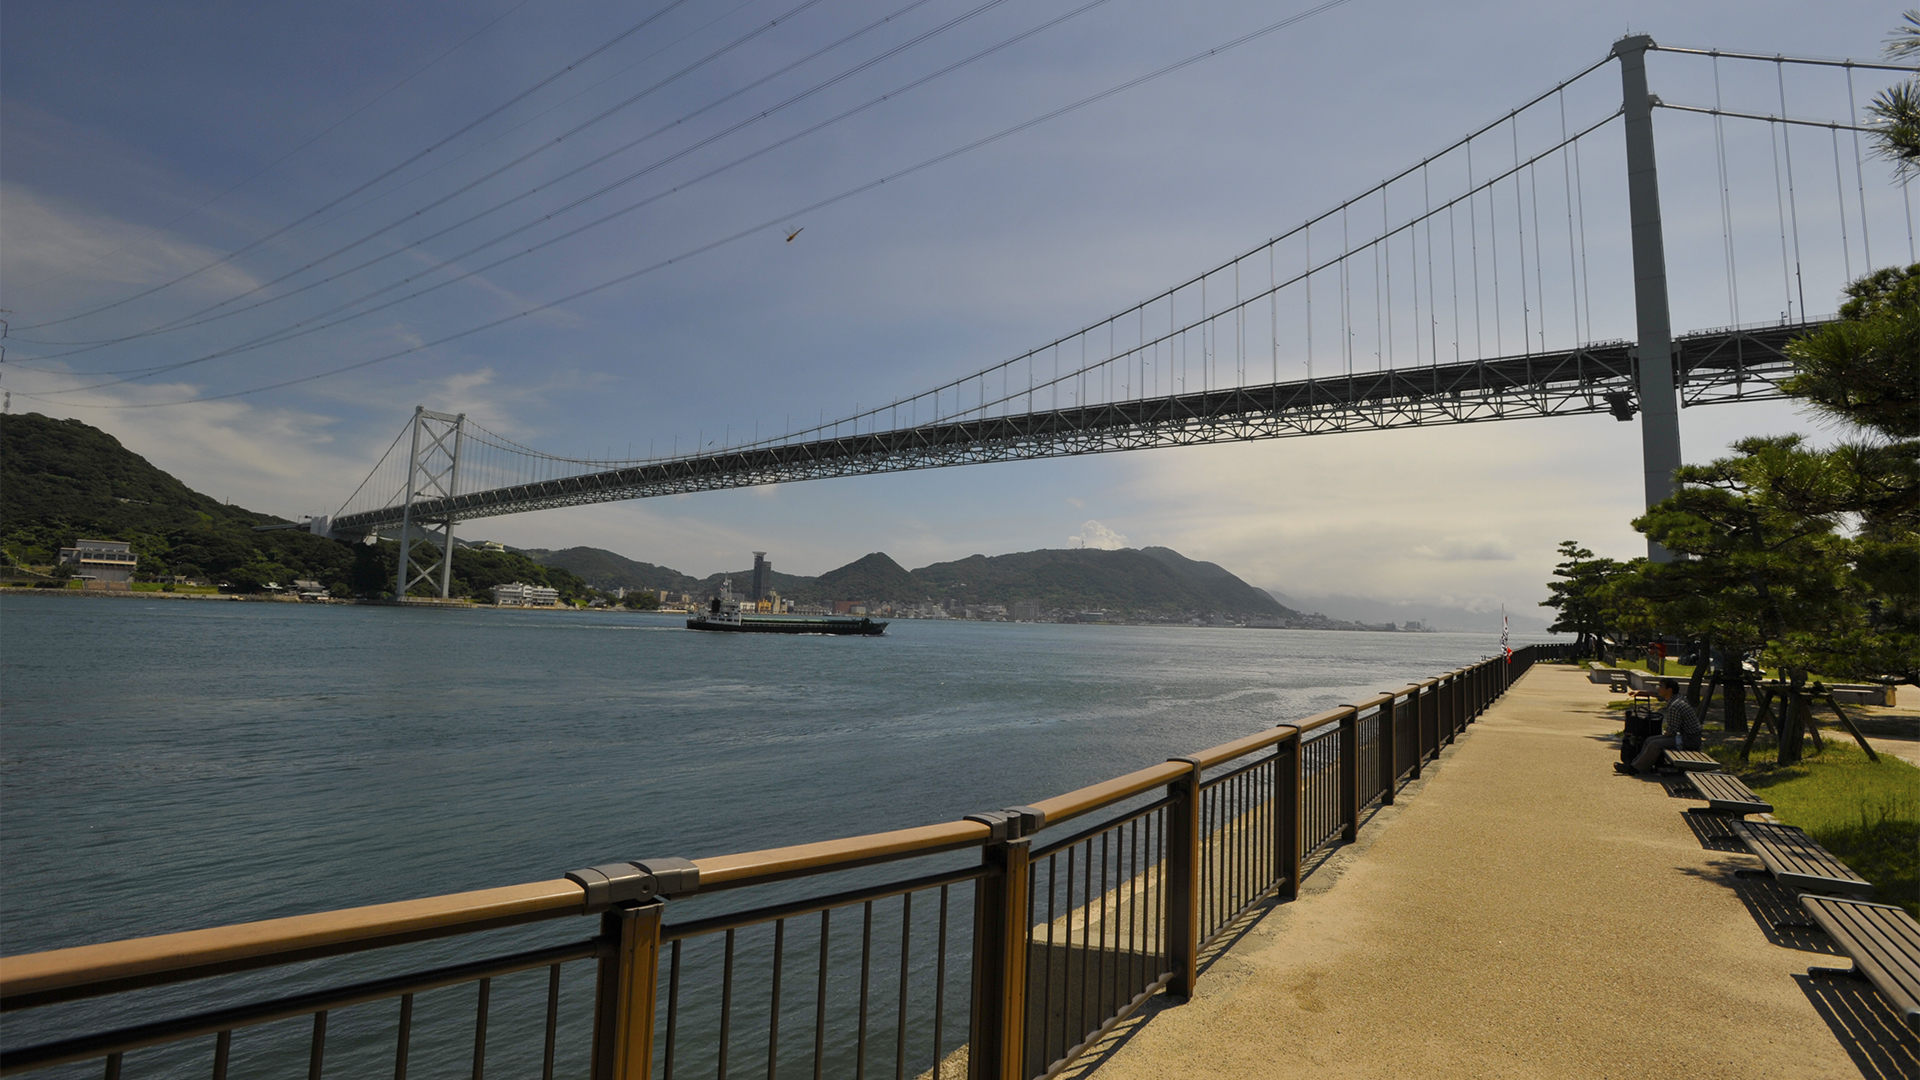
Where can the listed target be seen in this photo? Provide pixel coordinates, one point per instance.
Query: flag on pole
(1504, 650)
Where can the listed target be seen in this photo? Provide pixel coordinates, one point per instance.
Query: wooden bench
(1692, 761)
(1793, 859)
(1884, 942)
(1725, 794)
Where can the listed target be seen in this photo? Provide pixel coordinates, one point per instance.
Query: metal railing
(991, 947)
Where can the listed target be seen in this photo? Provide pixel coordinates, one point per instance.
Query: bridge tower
(433, 472)
(1659, 401)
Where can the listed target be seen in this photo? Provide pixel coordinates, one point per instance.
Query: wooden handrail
(778, 864)
(60, 974)
(1107, 792)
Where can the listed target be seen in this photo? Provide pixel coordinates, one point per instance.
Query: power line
(183, 322)
(490, 114)
(302, 328)
(382, 96)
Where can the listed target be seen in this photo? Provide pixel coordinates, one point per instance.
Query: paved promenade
(1522, 912)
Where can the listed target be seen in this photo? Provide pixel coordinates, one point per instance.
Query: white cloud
(285, 461)
(47, 239)
(1467, 549)
(1460, 516)
(1093, 534)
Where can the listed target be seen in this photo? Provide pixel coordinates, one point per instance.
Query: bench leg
(1835, 973)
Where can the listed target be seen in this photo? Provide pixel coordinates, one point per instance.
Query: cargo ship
(723, 613)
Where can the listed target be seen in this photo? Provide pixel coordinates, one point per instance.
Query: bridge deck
(1719, 365)
(1529, 913)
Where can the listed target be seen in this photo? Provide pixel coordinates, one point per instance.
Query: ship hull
(858, 627)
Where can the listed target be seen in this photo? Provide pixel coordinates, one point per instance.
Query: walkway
(1523, 912)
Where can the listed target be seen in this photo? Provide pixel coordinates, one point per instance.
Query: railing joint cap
(1028, 819)
(635, 882)
(997, 823)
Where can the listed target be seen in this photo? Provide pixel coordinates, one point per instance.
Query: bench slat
(1795, 860)
(1884, 942)
(1692, 760)
(1727, 794)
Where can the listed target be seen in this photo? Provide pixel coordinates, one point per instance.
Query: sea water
(209, 761)
(174, 764)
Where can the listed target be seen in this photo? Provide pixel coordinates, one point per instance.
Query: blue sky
(142, 141)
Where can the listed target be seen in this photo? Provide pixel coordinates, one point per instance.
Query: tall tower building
(762, 569)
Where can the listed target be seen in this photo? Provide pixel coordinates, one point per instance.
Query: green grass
(1867, 813)
(1675, 669)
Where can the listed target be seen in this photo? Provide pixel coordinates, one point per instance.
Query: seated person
(1680, 729)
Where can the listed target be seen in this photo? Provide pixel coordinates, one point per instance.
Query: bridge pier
(1659, 400)
(433, 473)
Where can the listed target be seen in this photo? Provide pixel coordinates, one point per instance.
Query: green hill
(1126, 581)
(1216, 581)
(65, 470)
(61, 480)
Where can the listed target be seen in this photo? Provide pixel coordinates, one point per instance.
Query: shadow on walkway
(1881, 1046)
(1774, 907)
(1714, 831)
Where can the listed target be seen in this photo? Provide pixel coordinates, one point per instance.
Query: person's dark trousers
(1650, 752)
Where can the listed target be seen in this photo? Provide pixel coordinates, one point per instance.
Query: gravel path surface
(1522, 912)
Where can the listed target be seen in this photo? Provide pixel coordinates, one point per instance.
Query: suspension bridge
(1467, 296)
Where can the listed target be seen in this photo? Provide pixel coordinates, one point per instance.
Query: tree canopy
(1808, 559)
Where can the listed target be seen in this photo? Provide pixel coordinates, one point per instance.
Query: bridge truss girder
(1711, 367)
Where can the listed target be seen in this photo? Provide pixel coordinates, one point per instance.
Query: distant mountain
(874, 575)
(607, 571)
(1215, 580)
(1433, 616)
(1125, 581)
(1155, 581)
(789, 586)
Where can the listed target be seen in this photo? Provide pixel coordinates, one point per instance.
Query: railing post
(1183, 879)
(1350, 775)
(624, 1001)
(998, 1039)
(1430, 706)
(1419, 734)
(1289, 832)
(1389, 753)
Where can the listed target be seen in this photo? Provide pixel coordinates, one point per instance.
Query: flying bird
(795, 233)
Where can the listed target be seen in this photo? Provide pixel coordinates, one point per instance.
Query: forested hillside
(61, 480)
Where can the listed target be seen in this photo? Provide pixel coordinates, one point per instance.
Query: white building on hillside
(101, 560)
(522, 595)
